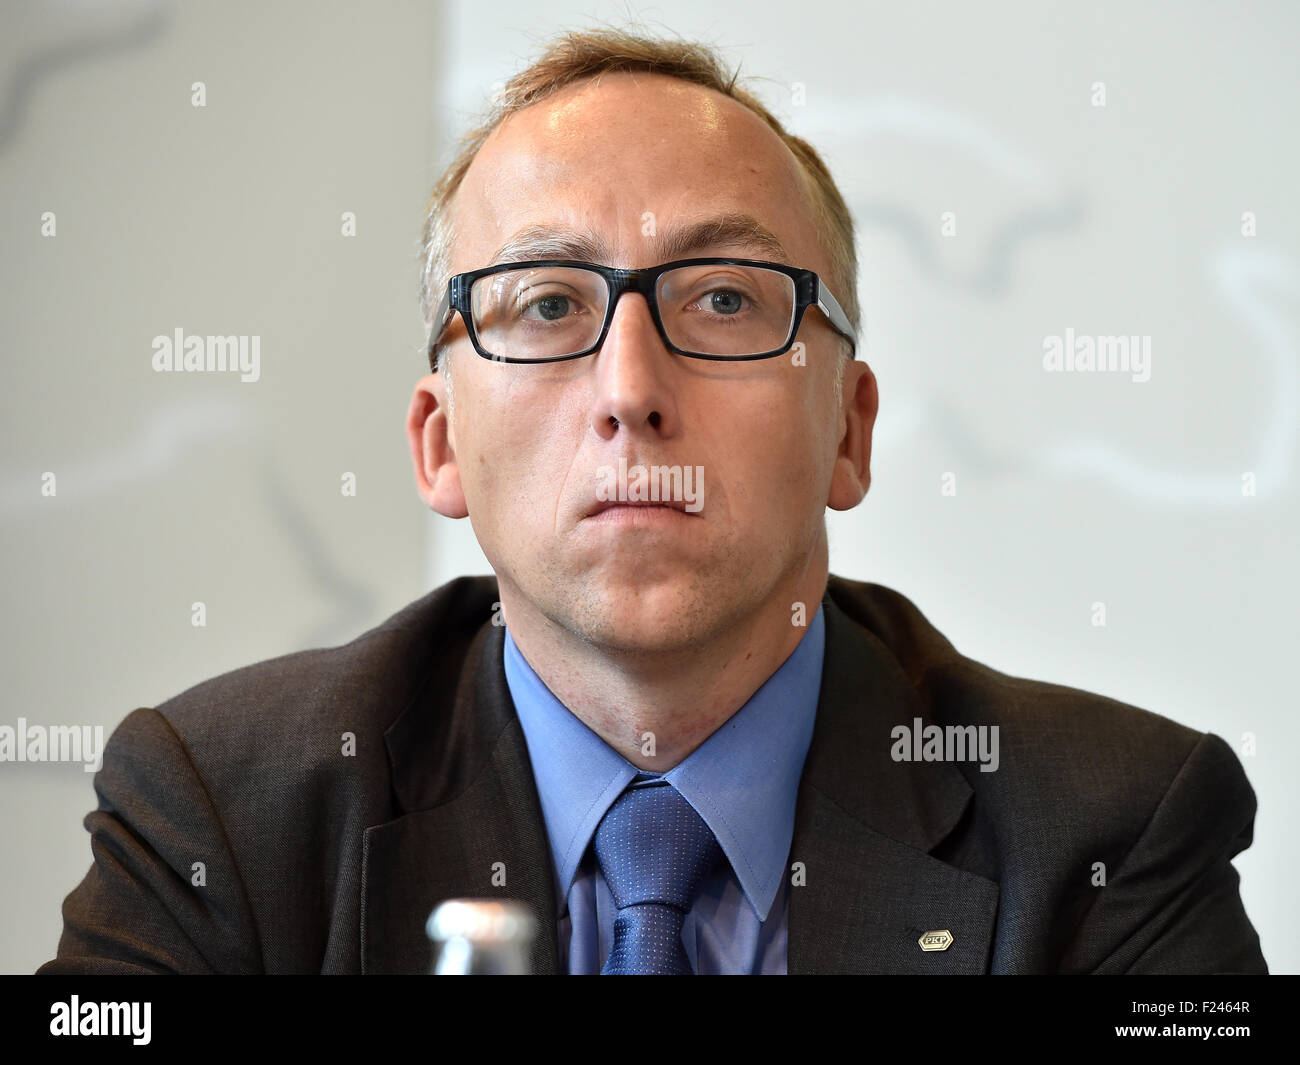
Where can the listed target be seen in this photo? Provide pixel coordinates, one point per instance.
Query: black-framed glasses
(549, 310)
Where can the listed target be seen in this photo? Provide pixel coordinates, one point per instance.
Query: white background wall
(1071, 488)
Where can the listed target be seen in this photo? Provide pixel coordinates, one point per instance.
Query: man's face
(633, 159)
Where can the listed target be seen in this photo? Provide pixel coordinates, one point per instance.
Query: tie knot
(653, 847)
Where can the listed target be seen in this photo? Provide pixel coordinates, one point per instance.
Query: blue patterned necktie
(655, 853)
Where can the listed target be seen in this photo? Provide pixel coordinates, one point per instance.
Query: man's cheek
(482, 481)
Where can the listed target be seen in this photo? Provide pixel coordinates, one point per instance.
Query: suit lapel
(865, 826)
(471, 816)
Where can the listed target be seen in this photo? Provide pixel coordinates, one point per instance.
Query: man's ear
(852, 474)
(437, 474)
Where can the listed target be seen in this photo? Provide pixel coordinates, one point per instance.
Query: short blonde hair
(589, 53)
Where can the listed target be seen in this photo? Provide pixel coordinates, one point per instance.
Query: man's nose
(634, 373)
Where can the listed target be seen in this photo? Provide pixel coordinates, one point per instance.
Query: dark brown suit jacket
(315, 860)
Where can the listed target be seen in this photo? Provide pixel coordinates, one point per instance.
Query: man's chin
(647, 617)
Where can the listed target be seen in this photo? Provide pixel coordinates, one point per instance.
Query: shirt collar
(743, 780)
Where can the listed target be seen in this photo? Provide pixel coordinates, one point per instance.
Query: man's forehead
(690, 168)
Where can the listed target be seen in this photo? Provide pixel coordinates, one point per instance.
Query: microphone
(481, 937)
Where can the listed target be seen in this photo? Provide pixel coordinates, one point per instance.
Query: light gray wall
(181, 488)
(1072, 489)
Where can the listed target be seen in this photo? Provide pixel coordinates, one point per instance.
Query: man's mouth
(603, 505)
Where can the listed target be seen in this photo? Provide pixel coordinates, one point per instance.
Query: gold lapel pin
(936, 940)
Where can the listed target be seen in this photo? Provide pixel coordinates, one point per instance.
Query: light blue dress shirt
(743, 780)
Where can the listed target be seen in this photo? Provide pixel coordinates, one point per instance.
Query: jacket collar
(470, 824)
(865, 886)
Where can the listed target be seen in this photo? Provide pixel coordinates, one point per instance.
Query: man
(662, 726)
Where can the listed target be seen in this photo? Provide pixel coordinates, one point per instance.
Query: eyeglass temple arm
(440, 319)
(830, 307)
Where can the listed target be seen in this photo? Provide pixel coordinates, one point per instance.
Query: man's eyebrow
(736, 231)
(726, 231)
(552, 242)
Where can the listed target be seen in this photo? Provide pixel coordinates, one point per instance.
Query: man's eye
(549, 308)
(725, 301)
